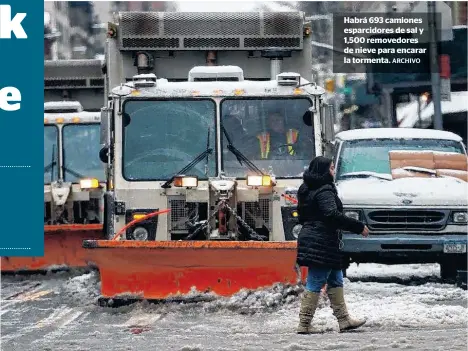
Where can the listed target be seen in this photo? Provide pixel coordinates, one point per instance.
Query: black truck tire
(450, 266)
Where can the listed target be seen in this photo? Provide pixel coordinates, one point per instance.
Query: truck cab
(414, 214)
(216, 127)
(74, 177)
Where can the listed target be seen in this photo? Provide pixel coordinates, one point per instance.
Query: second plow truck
(210, 125)
(73, 172)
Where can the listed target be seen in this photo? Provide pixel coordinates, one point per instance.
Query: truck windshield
(162, 136)
(81, 145)
(373, 155)
(50, 154)
(270, 133)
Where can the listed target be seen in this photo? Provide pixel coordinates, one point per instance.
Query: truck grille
(407, 220)
(256, 214)
(181, 212)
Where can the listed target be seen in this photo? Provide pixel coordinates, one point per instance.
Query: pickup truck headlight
(460, 217)
(352, 214)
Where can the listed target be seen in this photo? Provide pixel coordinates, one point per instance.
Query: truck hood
(444, 192)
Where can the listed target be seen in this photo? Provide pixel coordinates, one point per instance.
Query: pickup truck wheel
(448, 271)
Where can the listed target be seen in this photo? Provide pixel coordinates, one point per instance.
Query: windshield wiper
(239, 155)
(192, 164)
(365, 174)
(50, 166)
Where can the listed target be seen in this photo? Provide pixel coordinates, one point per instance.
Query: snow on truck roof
(72, 117)
(396, 133)
(164, 88)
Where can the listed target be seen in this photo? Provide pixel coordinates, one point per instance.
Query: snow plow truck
(210, 123)
(73, 173)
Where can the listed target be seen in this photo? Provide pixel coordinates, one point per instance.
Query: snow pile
(386, 306)
(82, 290)
(248, 302)
(397, 272)
(422, 302)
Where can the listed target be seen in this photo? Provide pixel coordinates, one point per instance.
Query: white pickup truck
(420, 217)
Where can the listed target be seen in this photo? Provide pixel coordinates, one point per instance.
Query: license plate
(454, 248)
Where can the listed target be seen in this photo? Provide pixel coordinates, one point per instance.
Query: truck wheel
(448, 271)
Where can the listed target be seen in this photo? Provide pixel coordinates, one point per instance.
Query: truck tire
(448, 271)
(450, 266)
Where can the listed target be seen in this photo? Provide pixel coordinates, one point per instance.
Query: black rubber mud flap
(461, 279)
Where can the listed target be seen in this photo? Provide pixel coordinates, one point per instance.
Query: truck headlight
(352, 214)
(185, 182)
(460, 217)
(89, 183)
(140, 234)
(259, 180)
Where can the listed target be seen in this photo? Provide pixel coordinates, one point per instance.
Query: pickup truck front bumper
(408, 248)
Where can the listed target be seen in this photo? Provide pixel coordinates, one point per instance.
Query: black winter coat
(321, 215)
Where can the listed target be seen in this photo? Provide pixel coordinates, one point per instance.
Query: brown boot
(308, 306)
(340, 311)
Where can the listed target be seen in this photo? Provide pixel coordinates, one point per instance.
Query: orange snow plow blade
(63, 246)
(161, 269)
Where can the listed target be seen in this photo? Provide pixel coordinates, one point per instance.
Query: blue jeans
(318, 277)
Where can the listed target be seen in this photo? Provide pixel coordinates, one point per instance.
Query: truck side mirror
(105, 125)
(307, 118)
(328, 122)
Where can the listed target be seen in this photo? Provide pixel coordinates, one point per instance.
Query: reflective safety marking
(31, 296)
(56, 316)
(25, 296)
(142, 320)
(60, 317)
(23, 291)
(66, 320)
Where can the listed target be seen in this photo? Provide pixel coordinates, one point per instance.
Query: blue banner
(21, 128)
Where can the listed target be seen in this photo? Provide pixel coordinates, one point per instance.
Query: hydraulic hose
(290, 198)
(138, 220)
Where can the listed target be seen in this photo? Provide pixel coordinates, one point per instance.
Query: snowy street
(406, 308)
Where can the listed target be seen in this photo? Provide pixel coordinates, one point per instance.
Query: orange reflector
(46, 121)
(63, 246)
(76, 119)
(160, 269)
(217, 92)
(259, 180)
(239, 92)
(135, 93)
(138, 215)
(90, 183)
(59, 120)
(298, 91)
(186, 181)
(195, 93)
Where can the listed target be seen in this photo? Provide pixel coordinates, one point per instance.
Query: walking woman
(319, 244)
